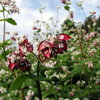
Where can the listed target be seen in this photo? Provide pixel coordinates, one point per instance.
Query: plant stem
(83, 66)
(4, 26)
(22, 96)
(83, 12)
(38, 82)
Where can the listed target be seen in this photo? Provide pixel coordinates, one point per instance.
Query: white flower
(79, 3)
(92, 34)
(50, 64)
(30, 93)
(83, 82)
(92, 52)
(78, 82)
(76, 99)
(2, 90)
(96, 42)
(5, 2)
(90, 64)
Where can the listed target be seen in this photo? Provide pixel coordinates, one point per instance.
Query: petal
(43, 45)
(26, 41)
(46, 52)
(63, 37)
(30, 48)
(62, 46)
(12, 66)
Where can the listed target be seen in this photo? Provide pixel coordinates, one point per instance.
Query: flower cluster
(65, 1)
(17, 59)
(50, 49)
(11, 4)
(24, 45)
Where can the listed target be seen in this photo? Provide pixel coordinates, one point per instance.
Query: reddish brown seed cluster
(46, 50)
(50, 49)
(18, 61)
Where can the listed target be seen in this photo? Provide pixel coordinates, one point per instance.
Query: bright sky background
(29, 12)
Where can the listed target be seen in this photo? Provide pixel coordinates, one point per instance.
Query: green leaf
(50, 91)
(19, 81)
(3, 94)
(4, 54)
(67, 8)
(9, 20)
(6, 43)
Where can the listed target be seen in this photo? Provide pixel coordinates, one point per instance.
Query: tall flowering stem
(4, 25)
(83, 66)
(38, 82)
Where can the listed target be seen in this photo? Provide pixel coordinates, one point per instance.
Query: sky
(29, 12)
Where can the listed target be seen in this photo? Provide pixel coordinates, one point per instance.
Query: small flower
(72, 93)
(63, 1)
(92, 52)
(25, 45)
(97, 82)
(79, 3)
(5, 2)
(50, 64)
(92, 12)
(90, 64)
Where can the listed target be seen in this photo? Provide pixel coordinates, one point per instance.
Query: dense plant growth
(64, 65)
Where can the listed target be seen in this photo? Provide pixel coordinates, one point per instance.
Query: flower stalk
(22, 96)
(38, 82)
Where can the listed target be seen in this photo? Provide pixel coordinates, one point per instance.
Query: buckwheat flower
(2, 89)
(49, 64)
(5, 2)
(72, 93)
(97, 82)
(2, 71)
(92, 12)
(80, 3)
(83, 82)
(30, 93)
(13, 9)
(24, 45)
(92, 52)
(90, 64)
(76, 99)
(78, 82)
(96, 42)
(92, 34)
(86, 99)
(63, 1)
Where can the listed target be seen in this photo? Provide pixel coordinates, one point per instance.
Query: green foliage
(19, 81)
(67, 8)
(76, 73)
(9, 20)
